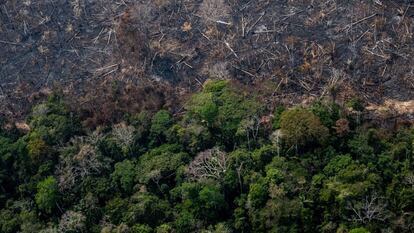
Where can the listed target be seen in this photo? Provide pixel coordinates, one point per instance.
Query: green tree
(38, 149)
(157, 168)
(9, 221)
(146, 208)
(328, 113)
(264, 155)
(185, 222)
(356, 104)
(142, 124)
(276, 116)
(7, 172)
(115, 209)
(222, 108)
(359, 230)
(124, 175)
(203, 201)
(194, 136)
(53, 122)
(164, 228)
(258, 193)
(345, 187)
(348, 180)
(240, 215)
(276, 201)
(141, 228)
(202, 106)
(300, 127)
(160, 124)
(47, 194)
(29, 222)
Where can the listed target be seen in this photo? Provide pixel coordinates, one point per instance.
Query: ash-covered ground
(288, 50)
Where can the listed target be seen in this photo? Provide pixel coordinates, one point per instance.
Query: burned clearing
(289, 50)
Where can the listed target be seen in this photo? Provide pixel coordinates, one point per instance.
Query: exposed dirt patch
(287, 50)
(394, 108)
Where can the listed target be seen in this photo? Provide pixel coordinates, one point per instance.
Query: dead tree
(123, 134)
(334, 83)
(276, 138)
(409, 179)
(250, 128)
(209, 164)
(86, 161)
(342, 127)
(371, 209)
(72, 221)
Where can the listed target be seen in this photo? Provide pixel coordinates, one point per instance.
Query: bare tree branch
(211, 164)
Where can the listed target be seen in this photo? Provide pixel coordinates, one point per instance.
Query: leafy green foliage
(359, 230)
(193, 136)
(148, 173)
(141, 228)
(202, 201)
(222, 109)
(276, 116)
(47, 194)
(147, 208)
(37, 149)
(8, 221)
(124, 175)
(204, 108)
(355, 104)
(300, 127)
(160, 124)
(53, 122)
(328, 113)
(157, 167)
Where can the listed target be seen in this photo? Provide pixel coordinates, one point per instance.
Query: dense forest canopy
(225, 163)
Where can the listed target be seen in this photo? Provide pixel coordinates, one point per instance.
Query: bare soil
(289, 51)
